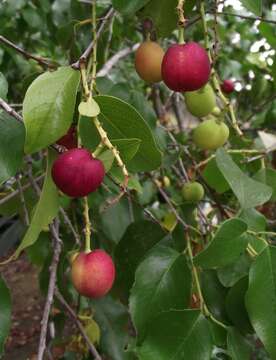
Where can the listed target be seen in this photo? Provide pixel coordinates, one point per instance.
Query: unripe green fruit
(192, 192)
(166, 181)
(211, 134)
(201, 102)
(216, 111)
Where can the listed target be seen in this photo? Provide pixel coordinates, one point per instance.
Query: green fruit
(211, 134)
(201, 102)
(192, 192)
(216, 111)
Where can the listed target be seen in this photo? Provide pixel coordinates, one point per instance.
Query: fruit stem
(87, 225)
(181, 21)
(108, 144)
(203, 307)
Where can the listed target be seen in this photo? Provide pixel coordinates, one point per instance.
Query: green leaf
(235, 306)
(260, 298)
(227, 245)
(249, 192)
(254, 6)
(214, 177)
(238, 347)
(268, 31)
(11, 132)
(127, 7)
(127, 148)
(107, 158)
(254, 219)
(3, 87)
(177, 334)
(48, 107)
(122, 121)
(138, 239)
(268, 177)
(214, 295)
(89, 108)
(112, 318)
(45, 210)
(233, 272)
(168, 287)
(5, 314)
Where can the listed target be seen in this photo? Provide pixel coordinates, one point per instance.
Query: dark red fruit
(186, 67)
(93, 273)
(227, 86)
(69, 140)
(77, 173)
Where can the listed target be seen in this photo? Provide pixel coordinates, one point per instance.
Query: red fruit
(69, 140)
(93, 273)
(77, 173)
(227, 86)
(186, 67)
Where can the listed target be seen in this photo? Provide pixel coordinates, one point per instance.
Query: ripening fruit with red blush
(69, 140)
(93, 273)
(77, 173)
(227, 86)
(186, 67)
(148, 60)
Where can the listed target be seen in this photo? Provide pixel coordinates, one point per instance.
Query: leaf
(214, 177)
(112, 318)
(127, 148)
(48, 107)
(235, 306)
(11, 132)
(268, 177)
(249, 192)
(268, 31)
(89, 108)
(107, 158)
(237, 346)
(254, 6)
(5, 314)
(177, 334)
(45, 210)
(127, 7)
(3, 87)
(260, 298)
(227, 245)
(137, 240)
(122, 121)
(168, 287)
(214, 295)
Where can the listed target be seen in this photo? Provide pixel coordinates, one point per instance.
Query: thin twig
(115, 59)
(6, 107)
(74, 317)
(110, 13)
(51, 288)
(247, 17)
(43, 62)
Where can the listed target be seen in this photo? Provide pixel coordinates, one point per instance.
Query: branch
(89, 49)
(74, 317)
(115, 58)
(247, 17)
(6, 107)
(51, 288)
(22, 199)
(43, 62)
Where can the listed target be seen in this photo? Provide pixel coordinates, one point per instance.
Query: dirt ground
(27, 307)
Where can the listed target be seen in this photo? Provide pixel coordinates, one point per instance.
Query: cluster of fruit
(186, 68)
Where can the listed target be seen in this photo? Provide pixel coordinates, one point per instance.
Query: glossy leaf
(249, 192)
(5, 313)
(168, 287)
(122, 121)
(45, 210)
(138, 239)
(237, 346)
(177, 334)
(227, 245)
(12, 132)
(127, 7)
(48, 107)
(261, 298)
(235, 306)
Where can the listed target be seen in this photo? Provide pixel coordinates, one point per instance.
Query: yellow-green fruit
(211, 134)
(201, 102)
(166, 182)
(216, 111)
(148, 60)
(192, 192)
